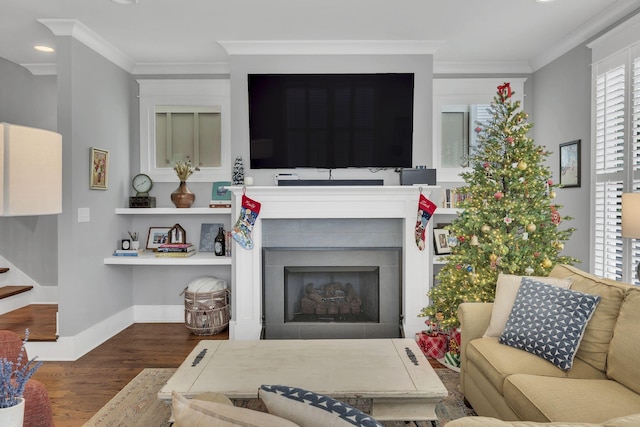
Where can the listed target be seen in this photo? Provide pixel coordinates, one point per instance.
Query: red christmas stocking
(248, 214)
(426, 208)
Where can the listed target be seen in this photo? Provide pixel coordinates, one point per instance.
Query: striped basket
(206, 313)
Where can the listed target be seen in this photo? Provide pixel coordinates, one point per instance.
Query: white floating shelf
(173, 211)
(150, 258)
(448, 211)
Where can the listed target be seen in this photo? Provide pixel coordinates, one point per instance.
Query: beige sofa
(604, 382)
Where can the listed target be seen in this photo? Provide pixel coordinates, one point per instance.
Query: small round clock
(142, 183)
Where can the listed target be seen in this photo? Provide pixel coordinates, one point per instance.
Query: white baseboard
(158, 313)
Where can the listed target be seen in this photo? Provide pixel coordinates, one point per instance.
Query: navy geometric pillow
(548, 321)
(310, 409)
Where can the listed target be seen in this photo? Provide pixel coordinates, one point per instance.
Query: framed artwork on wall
(99, 173)
(570, 164)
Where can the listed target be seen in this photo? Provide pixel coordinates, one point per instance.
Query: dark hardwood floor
(79, 389)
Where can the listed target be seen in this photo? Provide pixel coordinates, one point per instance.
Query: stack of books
(220, 203)
(175, 250)
(128, 252)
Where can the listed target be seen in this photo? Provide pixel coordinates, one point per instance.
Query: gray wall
(562, 112)
(30, 242)
(93, 104)
(94, 110)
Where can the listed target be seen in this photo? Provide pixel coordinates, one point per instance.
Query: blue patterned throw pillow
(312, 409)
(548, 321)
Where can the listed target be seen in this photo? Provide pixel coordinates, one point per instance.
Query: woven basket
(206, 313)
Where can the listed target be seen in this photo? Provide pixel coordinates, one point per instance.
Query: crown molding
(605, 19)
(331, 47)
(86, 36)
(449, 67)
(41, 69)
(182, 68)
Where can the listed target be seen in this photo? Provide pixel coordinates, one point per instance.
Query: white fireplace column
(322, 203)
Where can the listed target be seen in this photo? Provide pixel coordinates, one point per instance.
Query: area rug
(137, 403)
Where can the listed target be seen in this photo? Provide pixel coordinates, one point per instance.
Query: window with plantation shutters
(616, 97)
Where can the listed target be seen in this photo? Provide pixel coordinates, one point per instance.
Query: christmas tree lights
(509, 223)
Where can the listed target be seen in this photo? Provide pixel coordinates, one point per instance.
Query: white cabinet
(190, 219)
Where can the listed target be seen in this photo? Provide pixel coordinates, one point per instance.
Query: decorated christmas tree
(508, 223)
(237, 176)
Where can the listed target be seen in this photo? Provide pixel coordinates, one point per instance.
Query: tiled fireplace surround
(316, 216)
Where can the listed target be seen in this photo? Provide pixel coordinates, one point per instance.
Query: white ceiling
(473, 35)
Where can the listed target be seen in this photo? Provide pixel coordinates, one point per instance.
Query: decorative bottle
(219, 246)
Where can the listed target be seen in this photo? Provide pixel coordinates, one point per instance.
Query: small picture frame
(441, 241)
(208, 233)
(99, 173)
(570, 164)
(157, 236)
(220, 190)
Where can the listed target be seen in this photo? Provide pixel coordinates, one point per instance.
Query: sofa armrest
(474, 319)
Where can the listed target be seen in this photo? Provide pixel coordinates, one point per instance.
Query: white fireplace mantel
(326, 202)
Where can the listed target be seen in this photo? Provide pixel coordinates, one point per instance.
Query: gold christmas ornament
(546, 263)
(474, 240)
(522, 165)
(531, 228)
(493, 257)
(485, 229)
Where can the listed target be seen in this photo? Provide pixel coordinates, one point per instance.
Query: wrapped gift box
(433, 345)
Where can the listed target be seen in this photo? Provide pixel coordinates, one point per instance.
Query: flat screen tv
(330, 120)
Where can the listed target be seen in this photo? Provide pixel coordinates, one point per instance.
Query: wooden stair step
(9, 291)
(39, 318)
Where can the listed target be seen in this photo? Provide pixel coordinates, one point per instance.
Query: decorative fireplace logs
(330, 298)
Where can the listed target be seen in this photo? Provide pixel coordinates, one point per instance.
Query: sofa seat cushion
(497, 361)
(628, 421)
(597, 335)
(542, 399)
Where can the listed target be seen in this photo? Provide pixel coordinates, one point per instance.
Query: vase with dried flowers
(13, 380)
(183, 197)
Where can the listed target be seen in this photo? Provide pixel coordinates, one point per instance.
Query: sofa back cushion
(622, 362)
(597, 336)
(506, 289)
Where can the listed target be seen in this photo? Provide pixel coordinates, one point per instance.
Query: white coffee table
(378, 369)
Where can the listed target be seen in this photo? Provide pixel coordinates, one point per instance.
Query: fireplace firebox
(314, 293)
(331, 294)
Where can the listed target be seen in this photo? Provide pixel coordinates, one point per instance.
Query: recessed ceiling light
(42, 48)
(125, 2)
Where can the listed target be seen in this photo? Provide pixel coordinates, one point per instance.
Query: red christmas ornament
(478, 129)
(555, 216)
(498, 195)
(485, 165)
(550, 182)
(461, 239)
(510, 140)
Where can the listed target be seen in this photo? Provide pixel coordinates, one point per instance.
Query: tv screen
(330, 120)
